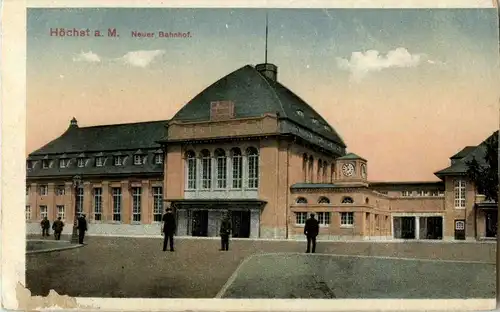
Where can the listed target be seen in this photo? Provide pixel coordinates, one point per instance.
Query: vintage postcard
(273, 154)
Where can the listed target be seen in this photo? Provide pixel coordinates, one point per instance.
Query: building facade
(250, 146)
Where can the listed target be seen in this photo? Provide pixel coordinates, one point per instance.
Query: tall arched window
(221, 168)
(332, 172)
(325, 170)
(320, 171)
(206, 170)
(347, 200)
(301, 200)
(304, 166)
(323, 200)
(311, 165)
(237, 168)
(191, 170)
(253, 167)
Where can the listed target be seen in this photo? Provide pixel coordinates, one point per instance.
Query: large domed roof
(254, 94)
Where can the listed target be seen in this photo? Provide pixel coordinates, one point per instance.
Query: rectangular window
(28, 213)
(44, 190)
(253, 171)
(206, 173)
(237, 172)
(62, 163)
(158, 159)
(28, 188)
(136, 204)
(45, 164)
(43, 212)
(300, 218)
(324, 218)
(221, 172)
(60, 190)
(346, 218)
(79, 200)
(191, 162)
(118, 160)
(459, 189)
(137, 160)
(434, 193)
(117, 204)
(157, 203)
(97, 204)
(421, 193)
(60, 212)
(99, 161)
(81, 162)
(406, 193)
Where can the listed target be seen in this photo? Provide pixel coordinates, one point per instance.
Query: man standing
(311, 230)
(82, 228)
(57, 226)
(168, 229)
(45, 224)
(225, 231)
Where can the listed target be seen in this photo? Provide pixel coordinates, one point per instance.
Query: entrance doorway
(404, 227)
(460, 229)
(491, 223)
(199, 223)
(431, 227)
(241, 223)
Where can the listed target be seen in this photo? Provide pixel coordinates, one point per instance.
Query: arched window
(191, 170)
(206, 169)
(237, 168)
(304, 166)
(320, 171)
(221, 169)
(325, 170)
(310, 169)
(332, 172)
(301, 200)
(323, 200)
(347, 200)
(253, 167)
(367, 201)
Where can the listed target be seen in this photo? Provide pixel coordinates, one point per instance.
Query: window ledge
(347, 226)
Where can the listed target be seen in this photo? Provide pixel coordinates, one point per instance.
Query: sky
(405, 88)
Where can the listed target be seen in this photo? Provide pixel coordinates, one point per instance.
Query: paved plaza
(136, 267)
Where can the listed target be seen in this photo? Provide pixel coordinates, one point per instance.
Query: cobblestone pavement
(136, 267)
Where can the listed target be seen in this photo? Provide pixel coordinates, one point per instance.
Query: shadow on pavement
(317, 276)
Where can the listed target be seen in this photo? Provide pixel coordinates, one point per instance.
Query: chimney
(268, 70)
(73, 123)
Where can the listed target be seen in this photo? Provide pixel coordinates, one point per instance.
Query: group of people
(169, 229)
(58, 227)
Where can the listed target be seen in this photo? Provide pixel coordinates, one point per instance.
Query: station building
(248, 145)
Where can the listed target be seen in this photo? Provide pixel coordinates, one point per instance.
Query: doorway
(431, 227)
(199, 223)
(491, 223)
(241, 223)
(404, 227)
(460, 229)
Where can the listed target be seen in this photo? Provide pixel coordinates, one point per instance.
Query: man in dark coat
(82, 228)
(225, 231)
(168, 229)
(45, 224)
(57, 226)
(311, 230)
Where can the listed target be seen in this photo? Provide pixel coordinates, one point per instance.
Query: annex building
(248, 145)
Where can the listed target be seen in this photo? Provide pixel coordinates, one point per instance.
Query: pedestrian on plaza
(45, 224)
(168, 229)
(82, 228)
(311, 230)
(57, 227)
(225, 231)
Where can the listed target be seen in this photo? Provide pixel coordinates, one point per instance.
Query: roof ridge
(273, 91)
(125, 124)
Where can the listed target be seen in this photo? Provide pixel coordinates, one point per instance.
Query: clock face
(348, 170)
(363, 171)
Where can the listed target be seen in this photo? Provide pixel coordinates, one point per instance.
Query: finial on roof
(74, 122)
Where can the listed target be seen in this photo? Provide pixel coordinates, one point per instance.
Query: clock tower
(351, 169)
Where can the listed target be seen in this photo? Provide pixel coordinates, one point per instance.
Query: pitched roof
(254, 95)
(351, 156)
(464, 152)
(127, 136)
(459, 167)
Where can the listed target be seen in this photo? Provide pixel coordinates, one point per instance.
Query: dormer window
(118, 160)
(45, 164)
(158, 159)
(99, 161)
(81, 162)
(327, 128)
(29, 164)
(315, 121)
(300, 113)
(63, 163)
(137, 160)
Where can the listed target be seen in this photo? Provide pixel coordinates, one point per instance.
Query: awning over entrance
(212, 204)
